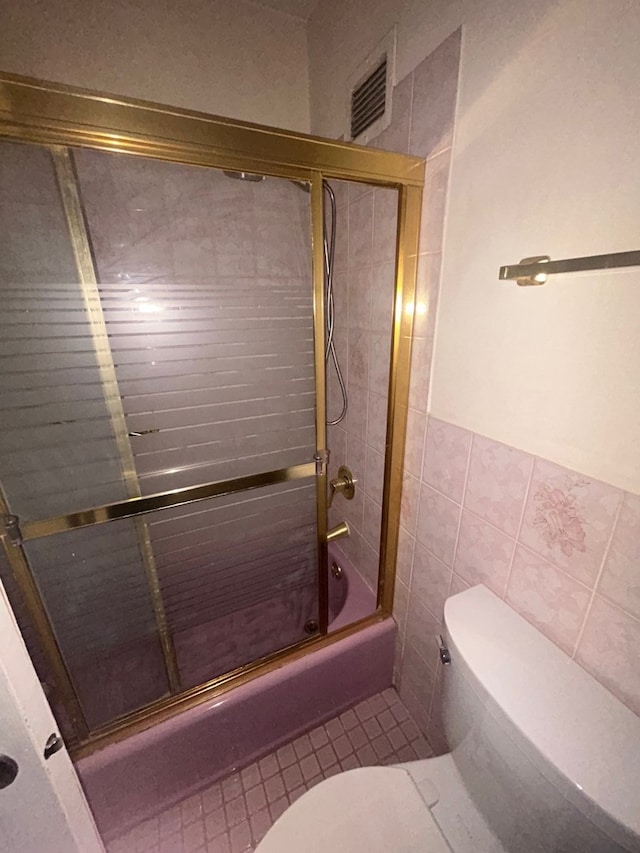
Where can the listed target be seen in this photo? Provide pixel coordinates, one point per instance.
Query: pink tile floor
(234, 814)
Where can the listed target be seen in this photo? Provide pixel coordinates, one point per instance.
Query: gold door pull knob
(343, 484)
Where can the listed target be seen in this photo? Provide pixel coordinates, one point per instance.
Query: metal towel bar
(531, 271)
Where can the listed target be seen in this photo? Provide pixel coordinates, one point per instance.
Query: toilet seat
(368, 810)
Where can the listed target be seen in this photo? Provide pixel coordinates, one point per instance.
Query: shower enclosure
(163, 438)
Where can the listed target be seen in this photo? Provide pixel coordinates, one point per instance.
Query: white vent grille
(368, 100)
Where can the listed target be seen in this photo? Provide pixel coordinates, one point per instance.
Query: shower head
(254, 178)
(245, 176)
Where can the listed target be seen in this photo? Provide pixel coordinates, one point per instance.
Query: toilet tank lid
(571, 720)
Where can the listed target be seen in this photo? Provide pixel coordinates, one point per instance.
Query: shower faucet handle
(343, 484)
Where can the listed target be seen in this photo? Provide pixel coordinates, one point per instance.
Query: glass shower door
(59, 452)
(187, 358)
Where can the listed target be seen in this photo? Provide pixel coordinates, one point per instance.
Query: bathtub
(132, 780)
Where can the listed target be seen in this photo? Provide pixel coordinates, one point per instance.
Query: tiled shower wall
(422, 124)
(363, 287)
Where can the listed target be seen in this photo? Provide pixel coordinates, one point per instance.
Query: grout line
(427, 419)
(464, 494)
(413, 555)
(552, 565)
(597, 580)
(409, 134)
(519, 528)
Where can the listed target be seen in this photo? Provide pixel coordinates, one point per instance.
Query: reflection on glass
(57, 447)
(207, 295)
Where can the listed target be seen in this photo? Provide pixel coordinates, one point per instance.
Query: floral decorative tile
(568, 519)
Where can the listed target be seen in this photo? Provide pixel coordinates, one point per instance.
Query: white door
(43, 809)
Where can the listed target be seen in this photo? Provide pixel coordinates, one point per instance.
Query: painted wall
(233, 58)
(543, 162)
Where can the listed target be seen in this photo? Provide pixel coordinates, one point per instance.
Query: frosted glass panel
(94, 589)
(57, 450)
(238, 575)
(207, 293)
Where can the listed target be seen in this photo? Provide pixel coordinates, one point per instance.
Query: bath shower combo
(165, 488)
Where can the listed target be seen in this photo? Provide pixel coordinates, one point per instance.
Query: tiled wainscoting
(234, 814)
(561, 548)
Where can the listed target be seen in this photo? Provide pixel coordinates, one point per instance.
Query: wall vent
(368, 100)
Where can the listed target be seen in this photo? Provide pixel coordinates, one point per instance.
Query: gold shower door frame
(60, 117)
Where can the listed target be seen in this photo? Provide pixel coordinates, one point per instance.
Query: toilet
(543, 758)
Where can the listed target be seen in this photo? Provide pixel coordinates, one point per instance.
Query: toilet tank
(550, 757)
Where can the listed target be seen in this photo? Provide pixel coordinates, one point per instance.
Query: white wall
(545, 161)
(228, 57)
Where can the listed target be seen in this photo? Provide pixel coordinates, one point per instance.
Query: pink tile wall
(422, 123)
(435, 460)
(561, 548)
(363, 282)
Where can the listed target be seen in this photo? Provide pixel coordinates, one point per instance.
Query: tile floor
(234, 814)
